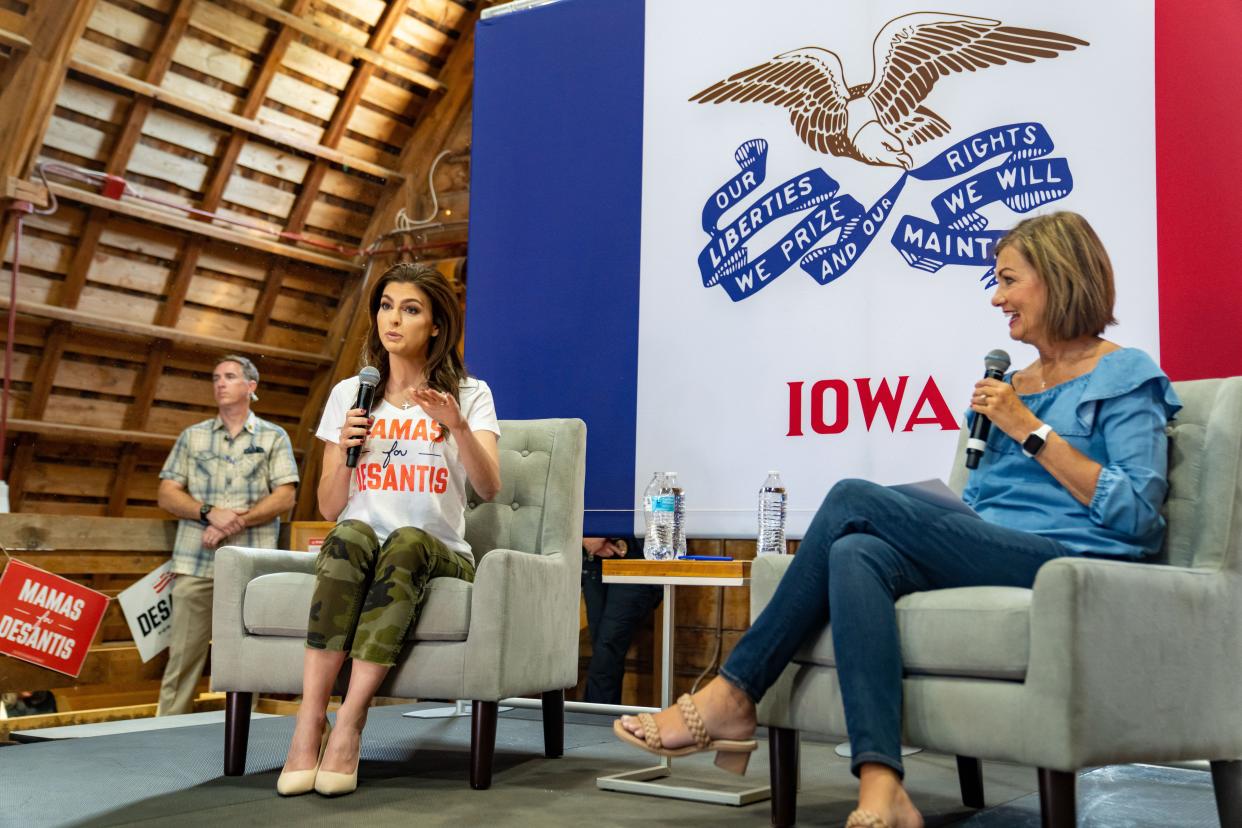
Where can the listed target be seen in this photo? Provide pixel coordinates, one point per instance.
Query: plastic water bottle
(649, 495)
(772, 516)
(659, 543)
(679, 515)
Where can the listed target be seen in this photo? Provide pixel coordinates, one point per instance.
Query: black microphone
(368, 379)
(995, 364)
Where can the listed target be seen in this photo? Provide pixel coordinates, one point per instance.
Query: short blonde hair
(1069, 257)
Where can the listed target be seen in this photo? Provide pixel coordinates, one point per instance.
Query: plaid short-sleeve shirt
(231, 472)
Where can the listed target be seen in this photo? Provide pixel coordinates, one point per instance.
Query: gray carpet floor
(415, 772)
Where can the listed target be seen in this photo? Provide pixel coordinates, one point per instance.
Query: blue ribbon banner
(1025, 179)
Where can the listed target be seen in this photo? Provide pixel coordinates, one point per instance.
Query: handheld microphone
(368, 379)
(995, 364)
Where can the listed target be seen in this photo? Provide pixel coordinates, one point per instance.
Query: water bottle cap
(774, 471)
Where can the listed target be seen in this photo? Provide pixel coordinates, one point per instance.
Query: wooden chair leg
(482, 743)
(553, 723)
(1058, 798)
(970, 778)
(783, 769)
(1227, 783)
(236, 732)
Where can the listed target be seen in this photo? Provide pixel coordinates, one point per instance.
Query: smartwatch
(1036, 440)
(202, 513)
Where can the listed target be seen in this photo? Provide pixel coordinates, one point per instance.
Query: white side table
(669, 574)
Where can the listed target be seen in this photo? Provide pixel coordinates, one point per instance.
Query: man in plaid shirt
(229, 479)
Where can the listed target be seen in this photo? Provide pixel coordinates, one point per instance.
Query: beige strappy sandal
(732, 755)
(865, 819)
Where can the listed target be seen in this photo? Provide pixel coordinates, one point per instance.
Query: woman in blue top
(1075, 465)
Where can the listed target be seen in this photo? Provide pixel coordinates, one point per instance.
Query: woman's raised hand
(442, 407)
(997, 401)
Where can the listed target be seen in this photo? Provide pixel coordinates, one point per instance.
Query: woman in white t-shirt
(400, 513)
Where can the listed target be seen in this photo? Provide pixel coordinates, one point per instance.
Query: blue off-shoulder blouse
(1116, 415)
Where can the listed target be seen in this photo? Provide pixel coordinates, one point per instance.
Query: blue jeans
(866, 547)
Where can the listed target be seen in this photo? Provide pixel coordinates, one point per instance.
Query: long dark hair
(445, 369)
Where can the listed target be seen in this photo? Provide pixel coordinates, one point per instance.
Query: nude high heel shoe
(294, 783)
(331, 783)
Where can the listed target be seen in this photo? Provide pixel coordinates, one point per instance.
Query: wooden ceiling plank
(214, 344)
(90, 434)
(262, 129)
(227, 162)
(203, 229)
(333, 40)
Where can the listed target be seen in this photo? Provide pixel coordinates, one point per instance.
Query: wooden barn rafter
(319, 119)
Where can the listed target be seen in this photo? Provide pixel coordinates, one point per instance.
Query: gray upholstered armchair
(1102, 662)
(513, 632)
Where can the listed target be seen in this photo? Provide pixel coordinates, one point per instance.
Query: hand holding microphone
(357, 419)
(995, 364)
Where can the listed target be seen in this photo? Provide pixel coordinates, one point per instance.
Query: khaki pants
(187, 647)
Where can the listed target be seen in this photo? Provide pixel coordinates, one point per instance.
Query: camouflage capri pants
(367, 596)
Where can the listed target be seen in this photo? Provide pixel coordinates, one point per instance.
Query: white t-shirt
(409, 474)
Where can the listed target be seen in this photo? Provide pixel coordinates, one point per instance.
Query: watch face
(1032, 444)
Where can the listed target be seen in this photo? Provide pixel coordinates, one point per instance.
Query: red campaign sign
(46, 619)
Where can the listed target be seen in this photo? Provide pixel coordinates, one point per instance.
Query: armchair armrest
(765, 575)
(1137, 649)
(237, 566)
(523, 624)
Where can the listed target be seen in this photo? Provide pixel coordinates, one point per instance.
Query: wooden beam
(349, 47)
(45, 375)
(167, 219)
(275, 134)
(214, 344)
(79, 266)
(16, 189)
(90, 434)
(19, 467)
(174, 30)
(265, 304)
(105, 663)
(14, 41)
(90, 563)
(43, 533)
(31, 80)
(118, 497)
(14, 22)
(27, 101)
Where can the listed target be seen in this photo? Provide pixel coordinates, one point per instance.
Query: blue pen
(704, 557)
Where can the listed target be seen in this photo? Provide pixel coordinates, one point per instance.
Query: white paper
(937, 493)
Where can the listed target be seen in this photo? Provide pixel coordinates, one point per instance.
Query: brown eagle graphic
(875, 123)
